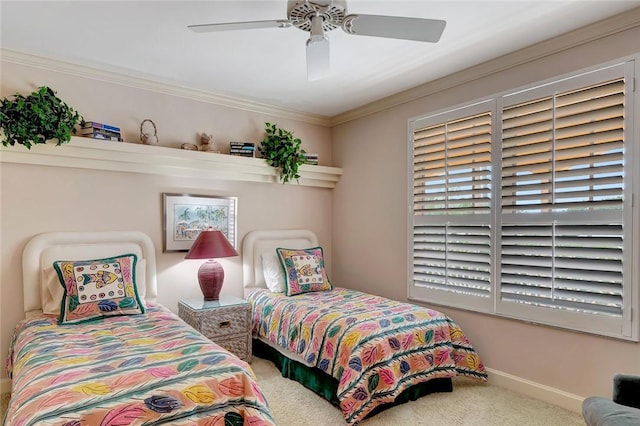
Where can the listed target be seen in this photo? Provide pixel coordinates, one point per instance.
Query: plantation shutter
(562, 199)
(451, 205)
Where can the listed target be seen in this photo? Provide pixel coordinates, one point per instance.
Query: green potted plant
(282, 151)
(37, 118)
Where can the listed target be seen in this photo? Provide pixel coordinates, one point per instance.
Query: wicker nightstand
(227, 322)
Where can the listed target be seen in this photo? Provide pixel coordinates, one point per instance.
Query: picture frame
(185, 215)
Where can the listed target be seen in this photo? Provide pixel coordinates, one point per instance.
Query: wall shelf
(85, 153)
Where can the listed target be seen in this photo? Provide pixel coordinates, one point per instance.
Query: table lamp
(211, 244)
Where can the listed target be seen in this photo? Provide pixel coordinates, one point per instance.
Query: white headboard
(43, 249)
(257, 242)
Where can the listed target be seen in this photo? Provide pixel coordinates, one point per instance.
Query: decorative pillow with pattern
(304, 270)
(95, 289)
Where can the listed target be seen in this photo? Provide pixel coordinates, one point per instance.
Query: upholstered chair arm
(626, 390)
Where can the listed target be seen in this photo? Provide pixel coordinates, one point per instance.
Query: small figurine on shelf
(147, 137)
(206, 140)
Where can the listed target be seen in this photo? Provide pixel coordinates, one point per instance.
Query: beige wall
(37, 199)
(370, 228)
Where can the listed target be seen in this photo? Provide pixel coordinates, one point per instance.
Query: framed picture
(185, 215)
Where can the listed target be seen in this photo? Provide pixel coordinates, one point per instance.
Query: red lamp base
(210, 278)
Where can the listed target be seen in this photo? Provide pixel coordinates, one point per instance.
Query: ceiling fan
(320, 16)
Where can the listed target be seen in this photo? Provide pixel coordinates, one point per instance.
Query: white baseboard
(535, 390)
(5, 385)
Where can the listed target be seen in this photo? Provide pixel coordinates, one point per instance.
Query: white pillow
(273, 272)
(51, 291)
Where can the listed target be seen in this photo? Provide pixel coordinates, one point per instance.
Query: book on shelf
(242, 145)
(103, 137)
(242, 149)
(311, 158)
(100, 134)
(89, 131)
(102, 126)
(242, 153)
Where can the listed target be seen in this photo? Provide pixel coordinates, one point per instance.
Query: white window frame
(625, 327)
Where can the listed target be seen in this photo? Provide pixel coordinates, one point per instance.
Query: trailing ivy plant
(37, 118)
(282, 151)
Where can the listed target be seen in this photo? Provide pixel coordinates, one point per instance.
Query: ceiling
(150, 39)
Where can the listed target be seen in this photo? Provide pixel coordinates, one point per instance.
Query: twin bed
(137, 368)
(361, 352)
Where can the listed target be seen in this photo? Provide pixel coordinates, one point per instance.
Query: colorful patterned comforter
(374, 347)
(128, 370)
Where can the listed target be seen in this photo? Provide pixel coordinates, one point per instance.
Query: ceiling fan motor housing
(300, 13)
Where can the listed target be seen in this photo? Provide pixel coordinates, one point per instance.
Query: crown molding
(95, 154)
(616, 24)
(139, 82)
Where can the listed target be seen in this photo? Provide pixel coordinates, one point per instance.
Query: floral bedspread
(374, 347)
(128, 370)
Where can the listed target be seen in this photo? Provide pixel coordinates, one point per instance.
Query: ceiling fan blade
(232, 26)
(317, 51)
(417, 29)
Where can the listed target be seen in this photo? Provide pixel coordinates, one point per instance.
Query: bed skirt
(326, 386)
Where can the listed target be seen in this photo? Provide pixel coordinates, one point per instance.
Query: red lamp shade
(211, 244)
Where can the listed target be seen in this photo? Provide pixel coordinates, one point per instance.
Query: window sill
(85, 153)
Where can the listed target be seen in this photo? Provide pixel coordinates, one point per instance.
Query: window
(521, 204)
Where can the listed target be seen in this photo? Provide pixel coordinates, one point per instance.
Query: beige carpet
(471, 403)
(4, 402)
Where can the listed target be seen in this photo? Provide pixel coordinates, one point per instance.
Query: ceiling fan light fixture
(317, 51)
